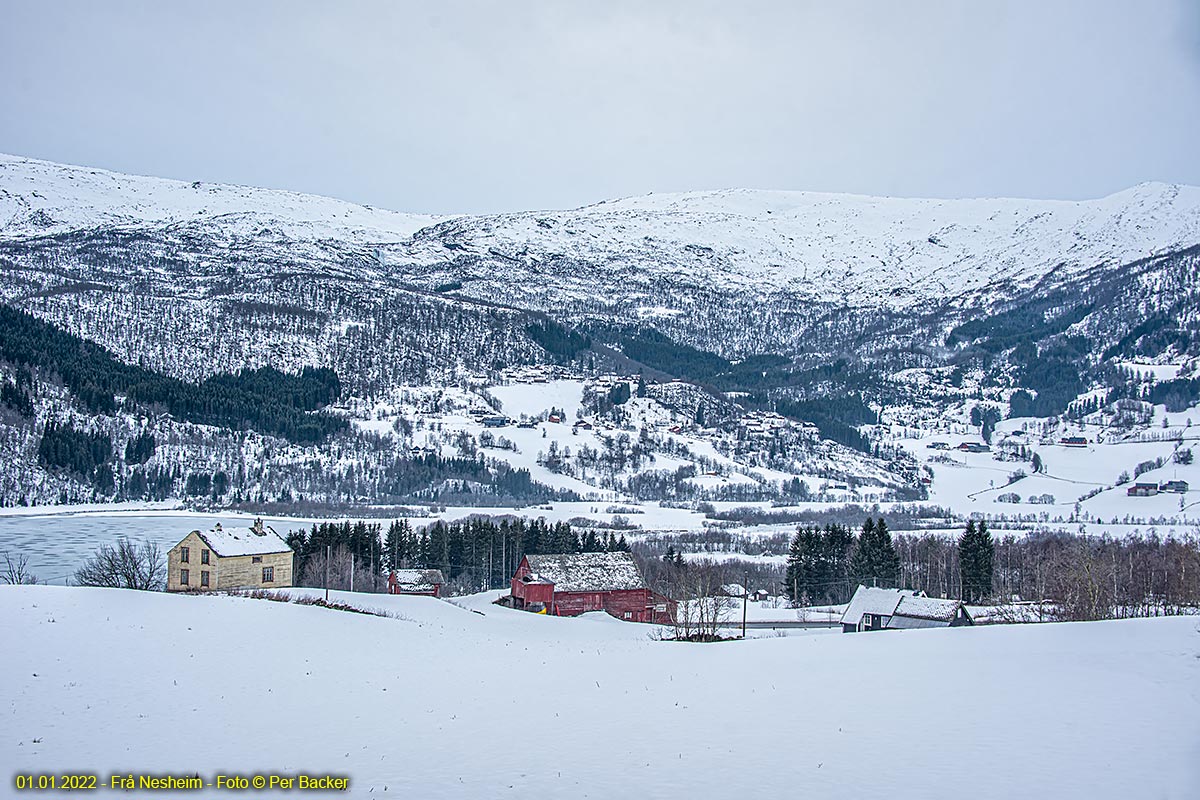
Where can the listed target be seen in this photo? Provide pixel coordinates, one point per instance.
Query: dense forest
(264, 399)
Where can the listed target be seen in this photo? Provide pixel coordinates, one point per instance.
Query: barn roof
(256, 540)
(418, 579)
(587, 572)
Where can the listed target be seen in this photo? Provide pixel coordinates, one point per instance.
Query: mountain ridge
(819, 247)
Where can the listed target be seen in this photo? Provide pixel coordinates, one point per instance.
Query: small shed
(874, 609)
(426, 582)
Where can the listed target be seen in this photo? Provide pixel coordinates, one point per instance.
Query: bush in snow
(125, 566)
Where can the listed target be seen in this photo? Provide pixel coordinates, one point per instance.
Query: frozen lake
(57, 544)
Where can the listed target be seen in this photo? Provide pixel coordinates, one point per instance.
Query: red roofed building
(570, 584)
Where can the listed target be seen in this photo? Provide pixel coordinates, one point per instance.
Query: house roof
(898, 603)
(419, 579)
(256, 540)
(587, 572)
(934, 608)
(871, 600)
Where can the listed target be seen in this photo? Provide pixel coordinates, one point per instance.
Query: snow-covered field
(442, 702)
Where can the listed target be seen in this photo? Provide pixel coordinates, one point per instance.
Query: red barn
(570, 584)
(416, 581)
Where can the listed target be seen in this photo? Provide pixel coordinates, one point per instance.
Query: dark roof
(587, 572)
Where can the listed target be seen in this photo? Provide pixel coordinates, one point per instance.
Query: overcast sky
(453, 106)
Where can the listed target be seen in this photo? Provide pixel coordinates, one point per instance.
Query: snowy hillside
(40, 197)
(744, 346)
(830, 247)
(825, 247)
(441, 702)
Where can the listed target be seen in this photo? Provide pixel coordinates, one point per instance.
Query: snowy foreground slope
(448, 703)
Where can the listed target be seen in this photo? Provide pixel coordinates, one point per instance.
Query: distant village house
(873, 609)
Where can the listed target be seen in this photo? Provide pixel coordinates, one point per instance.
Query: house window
(256, 559)
(268, 574)
(184, 554)
(183, 576)
(628, 615)
(203, 556)
(204, 577)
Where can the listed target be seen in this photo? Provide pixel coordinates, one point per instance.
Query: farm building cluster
(1151, 488)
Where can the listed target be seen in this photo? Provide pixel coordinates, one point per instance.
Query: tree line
(1080, 577)
(473, 555)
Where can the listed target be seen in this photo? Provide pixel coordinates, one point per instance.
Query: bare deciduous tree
(365, 579)
(703, 607)
(16, 572)
(125, 566)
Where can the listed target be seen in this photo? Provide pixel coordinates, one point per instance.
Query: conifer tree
(976, 552)
(801, 564)
(875, 562)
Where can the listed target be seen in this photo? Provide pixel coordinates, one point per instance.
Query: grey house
(873, 609)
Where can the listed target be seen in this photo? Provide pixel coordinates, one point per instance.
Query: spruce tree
(875, 562)
(837, 546)
(803, 579)
(976, 552)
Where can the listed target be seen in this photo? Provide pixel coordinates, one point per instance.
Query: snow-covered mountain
(841, 313)
(41, 197)
(828, 247)
(820, 247)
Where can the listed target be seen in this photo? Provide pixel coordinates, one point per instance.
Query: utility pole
(327, 557)
(352, 572)
(745, 599)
